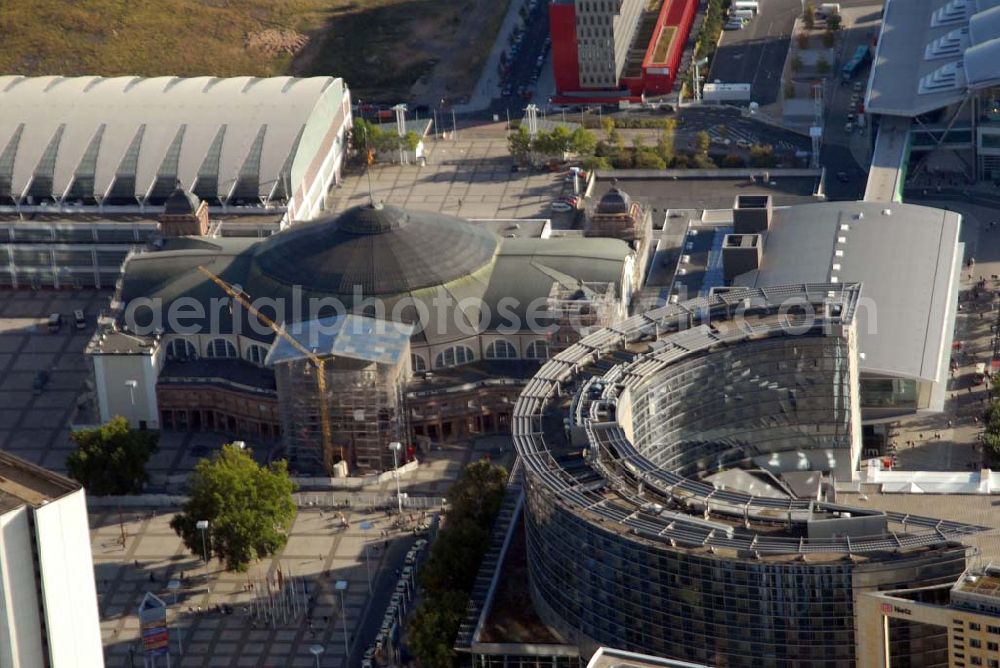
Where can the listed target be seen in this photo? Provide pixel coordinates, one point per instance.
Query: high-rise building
(48, 601)
(678, 489)
(948, 625)
(623, 48)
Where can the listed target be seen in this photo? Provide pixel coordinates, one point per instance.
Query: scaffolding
(626, 221)
(575, 310)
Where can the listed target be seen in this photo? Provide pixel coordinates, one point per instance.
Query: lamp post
(316, 650)
(131, 384)
(396, 446)
(365, 526)
(341, 586)
(202, 526)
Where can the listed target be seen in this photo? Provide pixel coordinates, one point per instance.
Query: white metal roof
(931, 53)
(154, 114)
(981, 64)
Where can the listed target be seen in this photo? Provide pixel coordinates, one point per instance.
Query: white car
(560, 205)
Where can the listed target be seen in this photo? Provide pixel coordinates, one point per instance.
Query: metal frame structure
(620, 486)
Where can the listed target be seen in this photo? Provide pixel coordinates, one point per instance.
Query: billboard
(153, 626)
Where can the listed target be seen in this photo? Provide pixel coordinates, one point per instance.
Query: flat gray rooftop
(660, 191)
(905, 256)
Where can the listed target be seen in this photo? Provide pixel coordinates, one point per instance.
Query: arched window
(454, 356)
(500, 350)
(221, 348)
(417, 363)
(181, 350)
(537, 350)
(256, 354)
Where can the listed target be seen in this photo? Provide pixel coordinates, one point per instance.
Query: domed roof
(181, 202)
(381, 249)
(614, 201)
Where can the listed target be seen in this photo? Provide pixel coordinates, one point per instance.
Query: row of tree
(557, 143)
(447, 577)
(368, 136)
(249, 508)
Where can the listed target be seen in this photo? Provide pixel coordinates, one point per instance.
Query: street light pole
(202, 526)
(365, 526)
(316, 650)
(396, 446)
(341, 586)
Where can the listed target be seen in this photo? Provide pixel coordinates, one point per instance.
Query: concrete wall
(20, 623)
(69, 596)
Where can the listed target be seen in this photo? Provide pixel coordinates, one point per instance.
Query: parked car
(744, 143)
(55, 322)
(735, 24)
(721, 141)
(79, 320)
(561, 206)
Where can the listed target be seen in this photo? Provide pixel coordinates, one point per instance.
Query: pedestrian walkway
(252, 619)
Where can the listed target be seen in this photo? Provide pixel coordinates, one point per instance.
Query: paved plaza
(34, 426)
(319, 553)
(469, 177)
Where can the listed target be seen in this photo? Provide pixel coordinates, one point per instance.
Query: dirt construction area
(386, 50)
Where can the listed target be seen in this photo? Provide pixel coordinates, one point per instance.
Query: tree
(734, 160)
(701, 142)
(447, 577)
(991, 435)
(829, 39)
(583, 141)
(593, 162)
(789, 91)
(638, 142)
(249, 508)
(111, 459)
(796, 64)
(410, 140)
(803, 41)
(519, 144)
(665, 145)
(822, 66)
(608, 125)
(647, 159)
(434, 627)
(833, 23)
(809, 18)
(762, 155)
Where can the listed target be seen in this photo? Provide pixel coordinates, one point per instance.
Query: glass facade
(718, 409)
(601, 586)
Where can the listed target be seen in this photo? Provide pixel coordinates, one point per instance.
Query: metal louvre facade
(629, 547)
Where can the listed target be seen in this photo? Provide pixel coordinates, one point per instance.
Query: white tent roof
(145, 128)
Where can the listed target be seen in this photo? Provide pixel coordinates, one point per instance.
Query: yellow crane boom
(318, 362)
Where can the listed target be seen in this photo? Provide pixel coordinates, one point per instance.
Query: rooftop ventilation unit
(740, 253)
(752, 214)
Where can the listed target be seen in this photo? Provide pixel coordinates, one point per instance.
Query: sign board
(153, 625)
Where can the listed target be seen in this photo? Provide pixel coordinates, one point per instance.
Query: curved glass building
(668, 503)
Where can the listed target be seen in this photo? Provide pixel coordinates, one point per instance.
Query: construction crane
(318, 362)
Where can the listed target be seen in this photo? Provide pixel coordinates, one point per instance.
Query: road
(756, 54)
(383, 588)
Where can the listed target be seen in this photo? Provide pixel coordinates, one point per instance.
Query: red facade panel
(565, 61)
